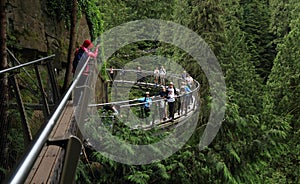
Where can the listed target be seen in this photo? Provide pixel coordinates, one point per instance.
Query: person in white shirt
(162, 74)
(111, 73)
(139, 76)
(189, 81)
(171, 100)
(156, 75)
(183, 75)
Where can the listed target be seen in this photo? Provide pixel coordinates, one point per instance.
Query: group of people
(160, 75)
(188, 79)
(175, 99)
(172, 100)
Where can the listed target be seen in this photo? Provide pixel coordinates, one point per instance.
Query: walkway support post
(44, 98)
(25, 126)
(53, 82)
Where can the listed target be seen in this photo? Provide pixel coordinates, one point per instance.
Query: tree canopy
(257, 44)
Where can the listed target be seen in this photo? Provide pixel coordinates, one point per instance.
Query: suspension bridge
(54, 151)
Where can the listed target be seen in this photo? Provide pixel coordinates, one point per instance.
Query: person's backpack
(78, 54)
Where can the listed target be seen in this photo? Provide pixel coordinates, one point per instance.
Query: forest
(256, 42)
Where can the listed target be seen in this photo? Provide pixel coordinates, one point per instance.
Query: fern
(233, 153)
(81, 175)
(139, 177)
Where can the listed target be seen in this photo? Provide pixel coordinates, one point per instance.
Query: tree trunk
(73, 18)
(4, 128)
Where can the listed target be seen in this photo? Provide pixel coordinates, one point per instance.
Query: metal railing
(26, 64)
(23, 169)
(38, 95)
(185, 103)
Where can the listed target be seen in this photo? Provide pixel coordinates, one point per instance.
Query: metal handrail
(23, 169)
(25, 64)
(12, 55)
(21, 173)
(142, 71)
(141, 103)
(153, 101)
(111, 103)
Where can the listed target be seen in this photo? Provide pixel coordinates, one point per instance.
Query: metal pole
(26, 64)
(25, 125)
(44, 98)
(53, 82)
(19, 64)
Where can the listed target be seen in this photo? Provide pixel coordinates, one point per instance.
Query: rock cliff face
(33, 32)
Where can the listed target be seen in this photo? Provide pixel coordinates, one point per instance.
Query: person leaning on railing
(171, 100)
(184, 99)
(162, 104)
(86, 46)
(148, 102)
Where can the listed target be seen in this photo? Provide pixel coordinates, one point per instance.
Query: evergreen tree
(281, 107)
(206, 20)
(255, 23)
(237, 137)
(280, 18)
(152, 9)
(259, 138)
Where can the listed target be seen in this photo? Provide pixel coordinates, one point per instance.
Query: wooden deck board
(36, 165)
(49, 158)
(63, 119)
(46, 165)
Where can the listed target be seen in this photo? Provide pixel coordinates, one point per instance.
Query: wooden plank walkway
(48, 166)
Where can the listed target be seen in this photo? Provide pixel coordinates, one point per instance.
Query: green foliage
(150, 9)
(59, 10)
(16, 143)
(259, 138)
(139, 177)
(206, 20)
(255, 23)
(282, 106)
(94, 16)
(82, 174)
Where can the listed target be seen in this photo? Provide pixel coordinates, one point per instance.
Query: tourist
(190, 81)
(83, 51)
(171, 100)
(156, 76)
(162, 104)
(162, 75)
(148, 102)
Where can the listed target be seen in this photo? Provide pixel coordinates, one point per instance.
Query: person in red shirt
(81, 55)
